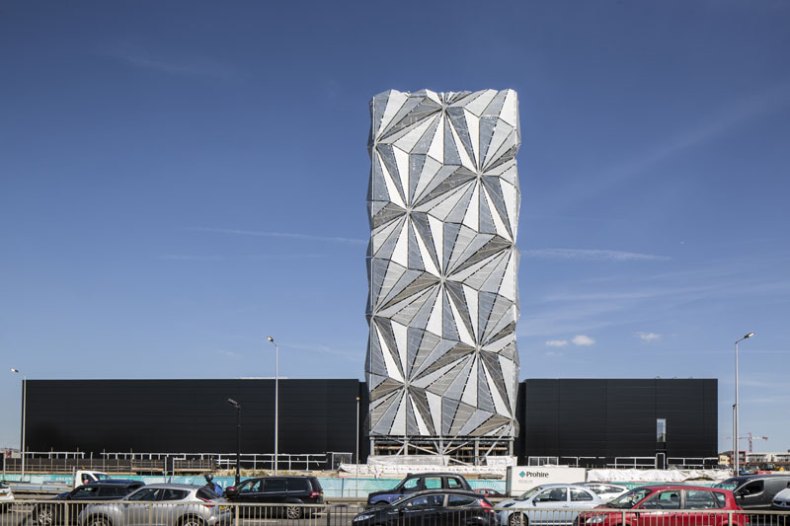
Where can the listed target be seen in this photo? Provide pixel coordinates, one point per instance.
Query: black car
(292, 491)
(65, 508)
(432, 508)
(418, 482)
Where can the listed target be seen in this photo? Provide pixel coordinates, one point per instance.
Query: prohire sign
(522, 478)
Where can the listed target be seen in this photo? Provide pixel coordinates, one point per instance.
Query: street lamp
(276, 399)
(735, 452)
(24, 412)
(237, 405)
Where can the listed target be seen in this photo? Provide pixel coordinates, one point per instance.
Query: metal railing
(47, 512)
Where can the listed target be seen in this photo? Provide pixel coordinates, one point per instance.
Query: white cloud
(578, 254)
(582, 340)
(648, 336)
(556, 343)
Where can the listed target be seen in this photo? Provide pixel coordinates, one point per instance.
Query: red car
(668, 506)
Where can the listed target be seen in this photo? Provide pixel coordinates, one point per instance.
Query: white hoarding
(521, 478)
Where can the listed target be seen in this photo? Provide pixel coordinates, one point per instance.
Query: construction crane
(751, 438)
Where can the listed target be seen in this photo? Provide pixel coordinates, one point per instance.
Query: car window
(454, 483)
(145, 494)
(274, 486)
(578, 495)
(630, 499)
(701, 500)
(85, 492)
(174, 494)
(553, 495)
(250, 486)
(752, 488)
(663, 500)
(433, 482)
(460, 500)
(424, 501)
(205, 493)
(297, 485)
(412, 484)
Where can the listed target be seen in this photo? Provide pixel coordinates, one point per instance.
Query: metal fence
(47, 512)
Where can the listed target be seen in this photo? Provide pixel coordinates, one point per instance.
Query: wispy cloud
(648, 336)
(284, 235)
(582, 340)
(254, 257)
(185, 65)
(728, 118)
(590, 255)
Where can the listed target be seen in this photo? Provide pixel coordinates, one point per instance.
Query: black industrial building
(592, 421)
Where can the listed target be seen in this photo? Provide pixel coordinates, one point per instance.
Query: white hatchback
(6, 497)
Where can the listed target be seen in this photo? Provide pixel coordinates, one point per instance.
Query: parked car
(654, 506)
(418, 482)
(432, 507)
(490, 493)
(6, 497)
(548, 504)
(755, 492)
(781, 501)
(58, 510)
(606, 491)
(162, 505)
(292, 491)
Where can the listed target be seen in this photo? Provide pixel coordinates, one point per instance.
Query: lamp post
(237, 405)
(735, 450)
(356, 454)
(276, 399)
(24, 414)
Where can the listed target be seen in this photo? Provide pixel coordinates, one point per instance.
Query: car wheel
(98, 520)
(517, 519)
(45, 515)
(192, 521)
(293, 512)
(4, 508)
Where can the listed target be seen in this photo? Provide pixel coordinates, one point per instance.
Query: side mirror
(231, 491)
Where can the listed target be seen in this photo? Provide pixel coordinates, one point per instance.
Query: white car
(781, 501)
(607, 492)
(548, 505)
(6, 498)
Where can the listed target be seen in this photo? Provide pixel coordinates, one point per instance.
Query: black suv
(418, 482)
(291, 491)
(57, 511)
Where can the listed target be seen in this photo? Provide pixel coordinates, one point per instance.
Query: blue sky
(179, 180)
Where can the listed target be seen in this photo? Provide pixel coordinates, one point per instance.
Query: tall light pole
(356, 454)
(735, 450)
(24, 413)
(276, 399)
(237, 405)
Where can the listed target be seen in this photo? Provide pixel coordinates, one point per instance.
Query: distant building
(442, 364)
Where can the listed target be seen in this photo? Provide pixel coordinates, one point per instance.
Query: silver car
(6, 497)
(160, 505)
(607, 492)
(547, 505)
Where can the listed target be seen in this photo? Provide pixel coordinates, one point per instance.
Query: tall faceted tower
(442, 363)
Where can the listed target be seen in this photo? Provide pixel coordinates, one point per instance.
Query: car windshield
(729, 484)
(629, 500)
(101, 476)
(530, 493)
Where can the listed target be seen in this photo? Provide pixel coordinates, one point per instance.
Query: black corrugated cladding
(617, 418)
(193, 416)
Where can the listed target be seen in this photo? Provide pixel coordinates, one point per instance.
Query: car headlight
(363, 517)
(596, 519)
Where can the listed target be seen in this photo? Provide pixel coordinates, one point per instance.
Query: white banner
(522, 478)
